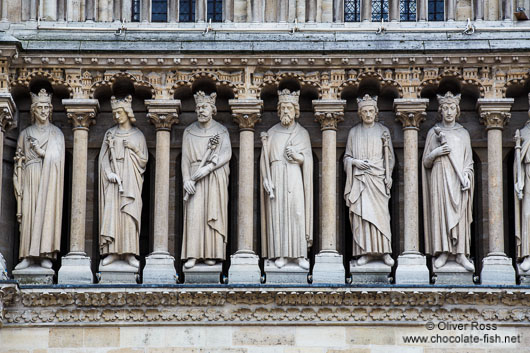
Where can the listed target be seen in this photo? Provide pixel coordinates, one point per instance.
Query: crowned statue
(368, 162)
(122, 162)
(286, 167)
(38, 183)
(448, 180)
(206, 152)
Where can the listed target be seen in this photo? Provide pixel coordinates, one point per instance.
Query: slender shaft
(161, 226)
(79, 176)
(329, 190)
(245, 214)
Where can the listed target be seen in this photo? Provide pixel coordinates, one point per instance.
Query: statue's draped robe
(42, 182)
(365, 191)
(448, 209)
(522, 207)
(120, 213)
(205, 230)
(286, 220)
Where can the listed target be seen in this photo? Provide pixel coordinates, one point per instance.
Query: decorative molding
(81, 112)
(246, 112)
(7, 112)
(411, 112)
(494, 113)
(329, 113)
(163, 113)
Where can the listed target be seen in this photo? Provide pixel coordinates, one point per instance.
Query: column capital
(163, 113)
(329, 112)
(411, 112)
(246, 112)
(81, 112)
(7, 112)
(494, 113)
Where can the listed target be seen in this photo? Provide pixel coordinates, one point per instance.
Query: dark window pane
(436, 10)
(379, 10)
(215, 10)
(159, 11)
(352, 10)
(187, 10)
(135, 11)
(407, 10)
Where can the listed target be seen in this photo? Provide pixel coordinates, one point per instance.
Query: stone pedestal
(329, 268)
(159, 269)
(374, 272)
(412, 269)
(75, 269)
(118, 272)
(289, 274)
(497, 269)
(202, 273)
(453, 273)
(34, 275)
(524, 276)
(244, 269)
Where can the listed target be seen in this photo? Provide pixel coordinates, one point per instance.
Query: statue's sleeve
(185, 163)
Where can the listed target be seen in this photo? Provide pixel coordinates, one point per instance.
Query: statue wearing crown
(286, 167)
(206, 152)
(122, 162)
(38, 183)
(368, 162)
(448, 180)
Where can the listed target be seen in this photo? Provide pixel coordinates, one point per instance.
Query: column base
(203, 274)
(159, 269)
(374, 272)
(412, 269)
(329, 268)
(289, 274)
(244, 269)
(118, 272)
(34, 275)
(75, 269)
(497, 269)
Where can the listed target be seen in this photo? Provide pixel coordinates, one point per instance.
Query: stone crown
(41, 97)
(448, 98)
(124, 103)
(366, 100)
(286, 96)
(201, 97)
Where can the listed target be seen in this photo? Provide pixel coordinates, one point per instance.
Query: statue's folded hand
(189, 186)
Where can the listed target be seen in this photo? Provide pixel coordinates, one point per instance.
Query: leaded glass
(436, 10)
(352, 11)
(407, 10)
(379, 10)
(135, 11)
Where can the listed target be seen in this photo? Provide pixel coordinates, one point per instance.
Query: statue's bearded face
(449, 112)
(204, 112)
(287, 113)
(41, 112)
(120, 115)
(368, 114)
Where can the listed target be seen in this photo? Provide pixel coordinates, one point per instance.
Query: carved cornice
(270, 305)
(494, 113)
(7, 110)
(81, 112)
(329, 113)
(410, 112)
(163, 113)
(246, 112)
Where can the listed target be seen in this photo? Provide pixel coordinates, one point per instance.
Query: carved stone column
(75, 266)
(7, 122)
(366, 10)
(329, 266)
(422, 8)
(496, 266)
(394, 11)
(160, 265)
(412, 265)
(4, 11)
(244, 267)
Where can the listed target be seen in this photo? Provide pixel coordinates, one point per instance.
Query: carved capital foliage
(411, 120)
(329, 112)
(163, 113)
(163, 121)
(495, 120)
(494, 113)
(410, 112)
(246, 112)
(7, 109)
(81, 112)
(81, 120)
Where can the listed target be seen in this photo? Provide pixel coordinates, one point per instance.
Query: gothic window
(135, 11)
(379, 10)
(352, 10)
(159, 11)
(436, 10)
(215, 10)
(407, 10)
(187, 10)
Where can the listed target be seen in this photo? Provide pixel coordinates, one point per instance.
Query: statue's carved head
(205, 106)
(41, 106)
(449, 106)
(288, 106)
(367, 108)
(122, 108)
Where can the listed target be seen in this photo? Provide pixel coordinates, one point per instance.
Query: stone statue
(122, 161)
(368, 162)
(286, 167)
(448, 182)
(206, 152)
(38, 183)
(522, 194)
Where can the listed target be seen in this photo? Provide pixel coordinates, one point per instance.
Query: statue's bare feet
(210, 262)
(463, 260)
(363, 260)
(303, 263)
(25, 263)
(525, 265)
(109, 259)
(441, 260)
(280, 262)
(133, 261)
(388, 260)
(46, 263)
(190, 263)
